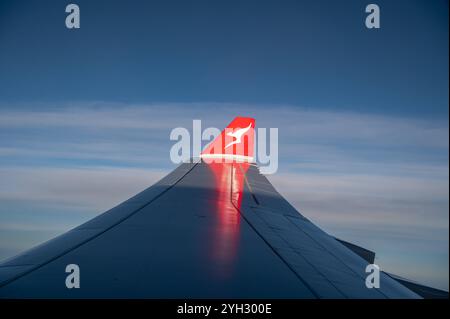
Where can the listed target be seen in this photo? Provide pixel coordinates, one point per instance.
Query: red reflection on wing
(229, 185)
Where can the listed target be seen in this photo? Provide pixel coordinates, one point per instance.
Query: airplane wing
(206, 230)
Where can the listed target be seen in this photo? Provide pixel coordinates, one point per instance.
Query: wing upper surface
(203, 231)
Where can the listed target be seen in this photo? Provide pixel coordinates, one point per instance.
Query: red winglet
(235, 143)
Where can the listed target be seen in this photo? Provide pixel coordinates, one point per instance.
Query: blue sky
(362, 114)
(230, 51)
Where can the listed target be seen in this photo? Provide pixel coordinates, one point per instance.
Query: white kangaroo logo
(238, 135)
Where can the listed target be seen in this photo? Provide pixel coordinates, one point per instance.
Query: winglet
(235, 143)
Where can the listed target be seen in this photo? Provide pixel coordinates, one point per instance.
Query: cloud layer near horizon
(379, 181)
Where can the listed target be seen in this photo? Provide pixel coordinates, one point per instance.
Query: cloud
(369, 202)
(97, 188)
(138, 134)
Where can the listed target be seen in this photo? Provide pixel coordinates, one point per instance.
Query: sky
(85, 115)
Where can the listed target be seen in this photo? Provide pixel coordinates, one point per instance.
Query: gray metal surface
(329, 268)
(200, 232)
(366, 254)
